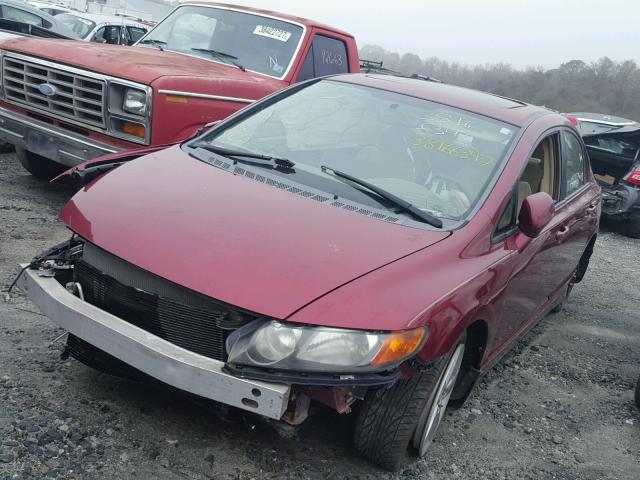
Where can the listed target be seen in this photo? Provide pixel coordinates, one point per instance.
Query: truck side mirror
(536, 212)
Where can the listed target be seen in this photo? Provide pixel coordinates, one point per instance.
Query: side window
(135, 33)
(508, 219)
(109, 34)
(573, 164)
(326, 56)
(329, 56)
(306, 71)
(541, 171)
(539, 175)
(18, 15)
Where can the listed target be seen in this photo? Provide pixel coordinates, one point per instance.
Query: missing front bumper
(150, 354)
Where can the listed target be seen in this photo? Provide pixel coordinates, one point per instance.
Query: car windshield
(439, 158)
(260, 44)
(79, 26)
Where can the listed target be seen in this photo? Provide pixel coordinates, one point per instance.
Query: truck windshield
(260, 44)
(438, 158)
(80, 26)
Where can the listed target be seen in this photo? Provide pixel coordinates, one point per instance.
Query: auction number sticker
(272, 32)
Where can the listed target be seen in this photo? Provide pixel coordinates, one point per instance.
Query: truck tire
(638, 393)
(632, 228)
(40, 167)
(397, 423)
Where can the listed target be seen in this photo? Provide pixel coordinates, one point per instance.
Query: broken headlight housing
(278, 345)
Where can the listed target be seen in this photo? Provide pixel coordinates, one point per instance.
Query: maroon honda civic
(358, 240)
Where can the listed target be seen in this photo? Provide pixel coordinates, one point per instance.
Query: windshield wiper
(390, 197)
(155, 43)
(221, 55)
(233, 154)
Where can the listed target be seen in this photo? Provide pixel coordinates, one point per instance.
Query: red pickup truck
(66, 102)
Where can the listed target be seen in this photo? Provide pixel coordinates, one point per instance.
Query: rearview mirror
(536, 212)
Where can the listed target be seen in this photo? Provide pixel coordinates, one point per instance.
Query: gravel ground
(559, 406)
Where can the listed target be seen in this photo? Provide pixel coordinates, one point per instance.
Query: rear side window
(135, 33)
(18, 15)
(573, 164)
(327, 56)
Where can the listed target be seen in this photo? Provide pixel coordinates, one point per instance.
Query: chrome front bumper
(51, 142)
(150, 354)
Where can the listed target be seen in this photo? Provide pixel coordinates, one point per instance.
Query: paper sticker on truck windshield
(272, 32)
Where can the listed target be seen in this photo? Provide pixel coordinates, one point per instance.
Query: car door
(528, 272)
(578, 205)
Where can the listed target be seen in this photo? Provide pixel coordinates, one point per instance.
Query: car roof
(48, 5)
(283, 16)
(504, 109)
(99, 18)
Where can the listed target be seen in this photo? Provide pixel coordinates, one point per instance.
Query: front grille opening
(189, 325)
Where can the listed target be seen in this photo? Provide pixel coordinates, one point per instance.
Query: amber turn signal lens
(399, 345)
(134, 129)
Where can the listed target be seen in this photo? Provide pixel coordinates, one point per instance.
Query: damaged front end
(127, 322)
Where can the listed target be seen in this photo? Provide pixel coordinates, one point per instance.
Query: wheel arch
(477, 337)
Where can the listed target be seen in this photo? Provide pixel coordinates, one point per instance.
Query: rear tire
(40, 167)
(392, 421)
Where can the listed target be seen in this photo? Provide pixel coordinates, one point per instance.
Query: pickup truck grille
(77, 97)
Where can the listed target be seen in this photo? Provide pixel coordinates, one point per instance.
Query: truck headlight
(321, 349)
(135, 102)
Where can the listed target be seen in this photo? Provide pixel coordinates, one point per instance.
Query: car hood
(138, 64)
(232, 238)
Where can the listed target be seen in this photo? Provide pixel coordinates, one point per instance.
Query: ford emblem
(47, 89)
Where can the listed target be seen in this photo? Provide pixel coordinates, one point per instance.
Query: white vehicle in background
(51, 8)
(102, 28)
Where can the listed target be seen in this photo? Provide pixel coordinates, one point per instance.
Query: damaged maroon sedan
(359, 239)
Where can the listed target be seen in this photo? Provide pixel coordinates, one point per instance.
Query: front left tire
(398, 423)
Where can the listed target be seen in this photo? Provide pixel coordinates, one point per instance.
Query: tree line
(603, 86)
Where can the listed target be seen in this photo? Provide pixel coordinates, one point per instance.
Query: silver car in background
(103, 28)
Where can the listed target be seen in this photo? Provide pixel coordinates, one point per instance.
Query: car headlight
(321, 349)
(135, 101)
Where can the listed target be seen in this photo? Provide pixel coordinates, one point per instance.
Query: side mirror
(536, 212)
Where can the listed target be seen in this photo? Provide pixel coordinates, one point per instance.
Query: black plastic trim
(313, 378)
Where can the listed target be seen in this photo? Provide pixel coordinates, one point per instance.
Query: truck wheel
(400, 422)
(632, 228)
(40, 167)
(638, 393)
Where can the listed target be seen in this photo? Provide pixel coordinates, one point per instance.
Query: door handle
(560, 234)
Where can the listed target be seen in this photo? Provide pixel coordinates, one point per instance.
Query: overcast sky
(523, 33)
